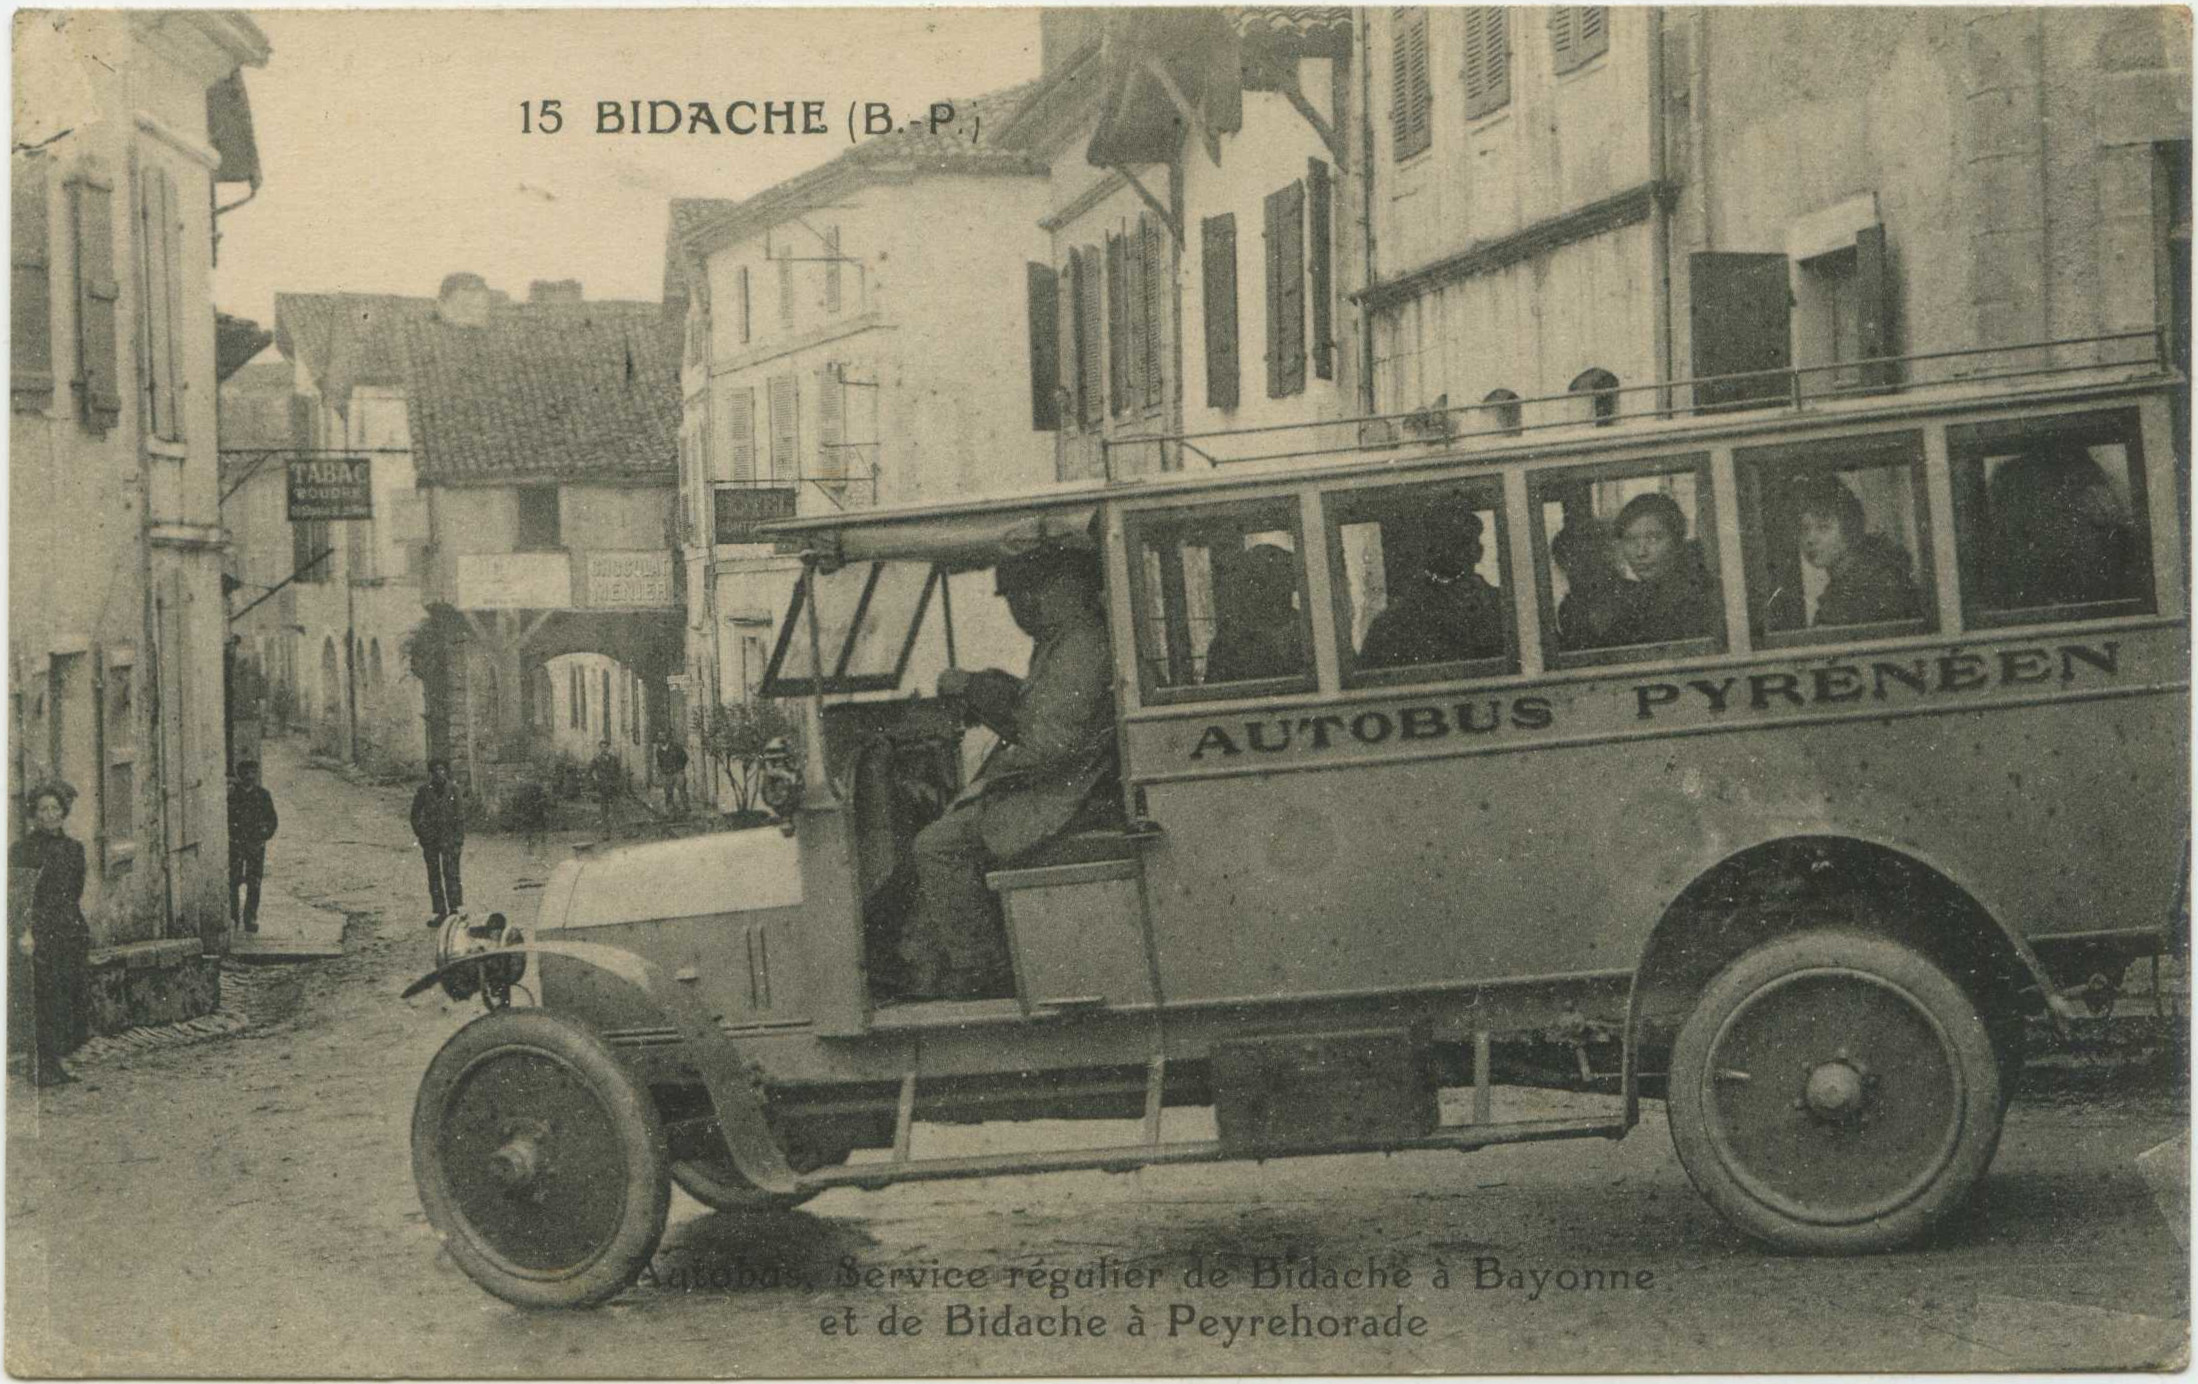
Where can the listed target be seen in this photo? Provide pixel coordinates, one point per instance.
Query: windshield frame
(838, 645)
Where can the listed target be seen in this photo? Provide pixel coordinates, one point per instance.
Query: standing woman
(56, 942)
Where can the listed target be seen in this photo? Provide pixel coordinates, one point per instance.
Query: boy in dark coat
(439, 824)
(252, 825)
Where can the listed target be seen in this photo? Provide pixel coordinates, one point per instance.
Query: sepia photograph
(816, 769)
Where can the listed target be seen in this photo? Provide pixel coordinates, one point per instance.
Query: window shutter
(1045, 347)
(1088, 347)
(1873, 302)
(161, 311)
(91, 207)
(785, 429)
(785, 291)
(1072, 369)
(740, 433)
(1217, 257)
(1154, 277)
(1577, 33)
(179, 321)
(1133, 319)
(1320, 264)
(30, 317)
(1488, 59)
(1411, 128)
(747, 320)
(1739, 315)
(831, 269)
(1118, 335)
(831, 422)
(1286, 291)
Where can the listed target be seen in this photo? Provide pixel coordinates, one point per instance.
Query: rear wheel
(1835, 1092)
(539, 1161)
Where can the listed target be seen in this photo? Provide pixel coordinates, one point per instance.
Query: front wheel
(539, 1161)
(1834, 1093)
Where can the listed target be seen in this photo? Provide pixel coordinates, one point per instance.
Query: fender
(740, 1113)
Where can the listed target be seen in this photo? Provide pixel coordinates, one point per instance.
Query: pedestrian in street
(439, 824)
(56, 940)
(609, 776)
(671, 770)
(252, 825)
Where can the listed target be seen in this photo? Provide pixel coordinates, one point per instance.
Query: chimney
(554, 291)
(463, 300)
(1062, 33)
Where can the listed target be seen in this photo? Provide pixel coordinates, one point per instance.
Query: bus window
(2050, 516)
(1836, 538)
(1220, 602)
(1629, 561)
(1421, 590)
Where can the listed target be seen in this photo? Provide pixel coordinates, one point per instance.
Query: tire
(539, 1161)
(717, 1184)
(1834, 1093)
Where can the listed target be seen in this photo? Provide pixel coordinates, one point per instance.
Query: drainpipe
(1698, 109)
(1366, 209)
(1660, 206)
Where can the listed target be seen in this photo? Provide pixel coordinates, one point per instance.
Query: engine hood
(725, 872)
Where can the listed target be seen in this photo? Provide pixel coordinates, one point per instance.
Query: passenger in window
(1444, 611)
(1869, 579)
(1057, 747)
(1595, 584)
(1671, 596)
(2065, 537)
(1257, 633)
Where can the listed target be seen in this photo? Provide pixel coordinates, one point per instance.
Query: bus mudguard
(740, 1113)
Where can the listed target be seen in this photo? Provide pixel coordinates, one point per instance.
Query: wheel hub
(516, 1164)
(1836, 1091)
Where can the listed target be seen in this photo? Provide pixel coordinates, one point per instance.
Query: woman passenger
(1671, 596)
(1256, 629)
(1595, 587)
(1869, 577)
(55, 940)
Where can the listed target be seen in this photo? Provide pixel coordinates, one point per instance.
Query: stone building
(132, 137)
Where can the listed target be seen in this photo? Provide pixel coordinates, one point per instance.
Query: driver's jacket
(1063, 742)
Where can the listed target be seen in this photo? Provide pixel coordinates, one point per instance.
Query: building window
(1577, 34)
(1504, 412)
(1600, 390)
(538, 527)
(1285, 212)
(1410, 98)
(747, 309)
(1487, 71)
(1842, 318)
(117, 736)
(1217, 260)
(736, 459)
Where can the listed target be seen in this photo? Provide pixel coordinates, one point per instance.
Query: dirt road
(246, 1207)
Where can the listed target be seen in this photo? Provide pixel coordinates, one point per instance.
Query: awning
(957, 542)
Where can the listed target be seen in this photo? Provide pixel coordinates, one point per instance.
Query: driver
(1057, 729)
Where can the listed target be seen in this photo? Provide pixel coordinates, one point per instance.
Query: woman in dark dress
(1869, 579)
(56, 941)
(1671, 596)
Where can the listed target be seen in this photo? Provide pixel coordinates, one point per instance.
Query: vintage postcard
(1229, 690)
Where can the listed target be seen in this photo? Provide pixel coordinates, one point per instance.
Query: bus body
(1805, 874)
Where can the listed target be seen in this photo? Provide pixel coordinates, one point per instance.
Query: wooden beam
(1328, 133)
(1193, 118)
(1159, 209)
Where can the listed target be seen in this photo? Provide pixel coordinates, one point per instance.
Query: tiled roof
(347, 339)
(544, 389)
(1298, 20)
(979, 140)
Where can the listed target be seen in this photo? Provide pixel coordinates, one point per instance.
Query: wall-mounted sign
(331, 488)
(629, 581)
(741, 508)
(514, 581)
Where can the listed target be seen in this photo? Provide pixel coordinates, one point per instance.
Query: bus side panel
(2061, 817)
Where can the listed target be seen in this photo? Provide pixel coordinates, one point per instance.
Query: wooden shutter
(747, 320)
(160, 317)
(831, 269)
(785, 290)
(1045, 347)
(30, 316)
(831, 422)
(1286, 291)
(1320, 264)
(91, 210)
(1217, 257)
(1411, 128)
(1874, 308)
(1740, 318)
(1153, 279)
(740, 433)
(1091, 387)
(1072, 368)
(1133, 319)
(1577, 33)
(785, 429)
(1118, 335)
(1487, 60)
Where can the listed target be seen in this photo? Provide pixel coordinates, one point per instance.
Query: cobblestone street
(244, 1205)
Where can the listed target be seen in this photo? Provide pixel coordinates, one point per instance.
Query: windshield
(868, 614)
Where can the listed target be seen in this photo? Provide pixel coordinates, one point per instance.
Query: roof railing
(1790, 388)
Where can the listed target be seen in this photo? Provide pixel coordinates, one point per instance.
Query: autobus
(1783, 760)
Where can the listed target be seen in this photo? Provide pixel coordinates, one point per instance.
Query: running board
(1128, 1158)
